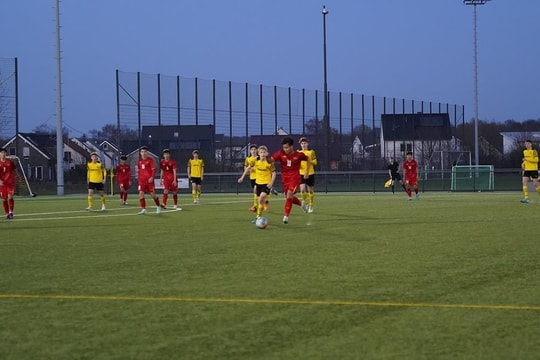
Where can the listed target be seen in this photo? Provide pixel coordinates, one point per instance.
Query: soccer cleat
(274, 191)
(409, 198)
(304, 206)
(125, 203)
(142, 212)
(524, 201)
(103, 208)
(163, 206)
(253, 209)
(9, 216)
(175, 207)
(285, 219)
(310, 209)
(417, 196)
(254, 220)
(88, 208)
(158, 210)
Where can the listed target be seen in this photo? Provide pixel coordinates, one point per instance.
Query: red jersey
(147, 170)
(168, 168)
(7, 172)
(123, 173)
(410, 168)
(290, 163)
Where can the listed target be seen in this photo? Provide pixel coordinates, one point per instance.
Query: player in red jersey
(410, 172)
(169, 179)
(147, 172)
(7, 183)
(123, 178)
(290, 160)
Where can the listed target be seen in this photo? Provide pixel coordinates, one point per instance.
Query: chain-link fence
(346, 138)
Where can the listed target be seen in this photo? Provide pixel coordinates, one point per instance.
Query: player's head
(253, 149)
(144, 152)
(262, 151)
(287, 144)
(409, 155)
(195, 153)
(166, 153)
(94, 156)
(3, 153)
(123, 158)
(304, 143)
(528, 144)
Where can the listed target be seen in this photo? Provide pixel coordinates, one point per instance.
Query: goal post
(473, 178)
(22, 186)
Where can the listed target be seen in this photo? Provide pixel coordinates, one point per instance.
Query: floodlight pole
(475, 63)
(59, 122)
(326, 119)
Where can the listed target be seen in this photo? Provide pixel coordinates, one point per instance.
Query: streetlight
(326, 119)
(474, 3)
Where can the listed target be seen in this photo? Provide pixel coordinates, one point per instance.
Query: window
(12, 151)
(26, 152)
(38, 172)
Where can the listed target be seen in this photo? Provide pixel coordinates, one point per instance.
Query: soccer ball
(261, 222)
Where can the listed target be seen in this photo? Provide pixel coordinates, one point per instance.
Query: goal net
(472, 178)
(22, 186)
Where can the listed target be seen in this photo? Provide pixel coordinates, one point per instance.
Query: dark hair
(123, 157)
(287, 140)
(195, 152)
(166, 151)
(303, 138)
(3, 149)
(144, 148)
(409, 153)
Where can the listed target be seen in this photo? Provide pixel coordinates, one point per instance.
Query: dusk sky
(411, 49)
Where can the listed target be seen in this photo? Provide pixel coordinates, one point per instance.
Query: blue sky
(412, 49)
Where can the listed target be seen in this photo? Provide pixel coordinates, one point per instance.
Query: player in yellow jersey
(307, 186)
(530, 170)
(195, 172)
(96, 175)
(252, 174)
(265, 175)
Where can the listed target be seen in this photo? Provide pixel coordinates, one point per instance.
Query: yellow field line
(272, 301)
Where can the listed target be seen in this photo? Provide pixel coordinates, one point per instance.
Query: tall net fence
(348, 138)
(8, 99)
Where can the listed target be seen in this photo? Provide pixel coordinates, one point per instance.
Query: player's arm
(247, 169)
(188, 169)
(202, 170)
(313, 158)
(161, 176)
(308, 166)
(175, 176)
(271, 183)
(104, 171)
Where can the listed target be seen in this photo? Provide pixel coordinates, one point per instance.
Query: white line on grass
(272, 301)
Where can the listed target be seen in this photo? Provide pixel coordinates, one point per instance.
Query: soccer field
(366, 276)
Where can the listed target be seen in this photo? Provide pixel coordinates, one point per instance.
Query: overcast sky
(411, 49)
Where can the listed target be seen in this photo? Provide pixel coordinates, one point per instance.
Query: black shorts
(252, 183)
(310, 181)
(396, 176)
(533, 174)
(195, 180)
(262, 189)
(96, 186)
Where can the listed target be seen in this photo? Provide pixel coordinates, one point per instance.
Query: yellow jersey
(250, 160)
(95, 173)
(263, 171)
(531, 160)
(310, 154)
(195, 167)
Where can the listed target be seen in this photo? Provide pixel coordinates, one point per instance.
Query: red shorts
(290, 184)
(124, 184)
(168, 185)
(411, 180)
(6, 190)
(147, 187)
